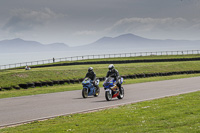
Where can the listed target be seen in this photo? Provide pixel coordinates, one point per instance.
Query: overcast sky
(78, 22)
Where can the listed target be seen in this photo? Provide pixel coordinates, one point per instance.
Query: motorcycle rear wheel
(85, 93)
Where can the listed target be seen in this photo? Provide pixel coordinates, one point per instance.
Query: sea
(13, 58)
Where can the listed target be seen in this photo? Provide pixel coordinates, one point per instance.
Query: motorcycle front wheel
(108, 95)
(85, 92)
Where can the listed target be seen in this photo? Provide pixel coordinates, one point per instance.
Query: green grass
(171, 114)
(14, 77)
(69, 87)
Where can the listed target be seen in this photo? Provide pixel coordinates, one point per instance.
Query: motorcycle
(89, 89)
(112, 90)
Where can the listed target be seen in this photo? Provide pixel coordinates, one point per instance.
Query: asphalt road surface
(24, 109)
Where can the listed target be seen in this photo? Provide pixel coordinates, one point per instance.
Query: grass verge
(69, 87)
(171, 114)
(11, 78)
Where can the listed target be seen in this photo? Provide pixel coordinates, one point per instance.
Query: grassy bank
(171, 114)
(69, 87)
(19, 76)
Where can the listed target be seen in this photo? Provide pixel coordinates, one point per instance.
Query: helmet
(111, 67)
(90, 69)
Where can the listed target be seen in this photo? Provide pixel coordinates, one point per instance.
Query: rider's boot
(120, 90)
(97, 87)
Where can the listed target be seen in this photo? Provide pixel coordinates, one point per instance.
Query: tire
(108, 95)
(85, 93)
(97, 92)
(121, 95)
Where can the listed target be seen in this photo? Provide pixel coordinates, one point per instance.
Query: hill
(19, 45)
(131, 41)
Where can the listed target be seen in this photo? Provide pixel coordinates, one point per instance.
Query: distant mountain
(131, 41)
(126, 38)
(19, 45)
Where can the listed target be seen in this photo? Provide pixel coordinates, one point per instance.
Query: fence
(100, 56)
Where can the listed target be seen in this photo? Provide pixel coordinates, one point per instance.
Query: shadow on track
(83, 98)
(107, 101)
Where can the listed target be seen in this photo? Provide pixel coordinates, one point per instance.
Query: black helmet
(90, 69)
(111, 67)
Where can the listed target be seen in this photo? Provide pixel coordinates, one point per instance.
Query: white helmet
(111, 67)
(90, 69)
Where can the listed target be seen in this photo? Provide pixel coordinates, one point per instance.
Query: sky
(80, 22)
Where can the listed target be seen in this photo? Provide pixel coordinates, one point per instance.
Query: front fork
(109, 90)
(86, 89)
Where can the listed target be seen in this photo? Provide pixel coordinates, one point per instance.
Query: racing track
(38, 107)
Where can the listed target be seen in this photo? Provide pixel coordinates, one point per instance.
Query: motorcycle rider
(112, 72)
(91, 74)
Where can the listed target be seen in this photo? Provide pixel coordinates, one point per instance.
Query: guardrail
(100, 56)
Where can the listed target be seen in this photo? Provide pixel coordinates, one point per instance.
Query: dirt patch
(20, 75)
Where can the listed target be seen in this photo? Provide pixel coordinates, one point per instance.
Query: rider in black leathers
(91, 74)
(115, 74)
